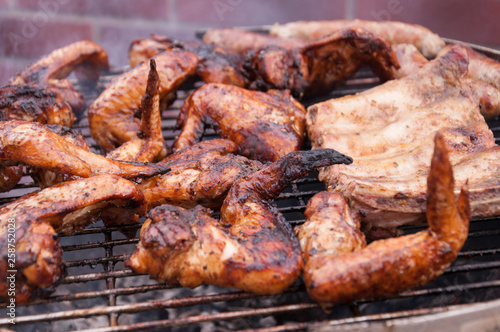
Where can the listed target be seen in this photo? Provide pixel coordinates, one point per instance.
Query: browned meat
(251, 247)
(23, 102)
(266, 126)
(241, 41)
(200, 174)
(394, 32)
(87, 59)
(35, 145)
(34, 104)
(215, 64)
(45, 178)
(338, 274)
(37, 217)
(112, 116)
(148, 145)
(483, 88)
(321, 65)
(389, 130)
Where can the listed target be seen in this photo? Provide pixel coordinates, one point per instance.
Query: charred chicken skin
(148, 145)
(87, 59)
(38, 216)
(394, 32)
(321, 65)
(28, 103)
(241, 41)
(200, 174)
(35, 145)
(251, 247)
(266, 126)
(388, 266)
(215, 64)
(112, 116)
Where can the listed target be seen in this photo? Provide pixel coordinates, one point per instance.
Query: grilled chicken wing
(241, 41)
(37, 216)
(112, 116)
(35, 145)
(23, 102)
(87, 59)
(389, 130)
(321, 65)
(483, 84)
(215, 64)
(251, 247)
(45, 178)
(342, 272)
(266, 126)
(200, 174)
(148, 145)
(425, 40)
(34, 104)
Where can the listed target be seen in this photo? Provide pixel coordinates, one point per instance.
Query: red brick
(257, 12)
(472, 21)
(35, 35)
(116, 39)
(9, 67)
(155, 9)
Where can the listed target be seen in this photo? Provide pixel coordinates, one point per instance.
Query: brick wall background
(32, 28)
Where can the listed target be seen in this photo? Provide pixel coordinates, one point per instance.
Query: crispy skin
(321, 65)
(200, 174)
(241, 41)
(37, 218)
(390, 266)
(28, 103)
(331, 229)
(35, 145)
(45, 178)
(389, 129)
(112, 116)
(251, 247)
(266, 126)
(86, 58)
(394, 32)
(483, 75)
(148, 145)
(215, 64)
(35, 104)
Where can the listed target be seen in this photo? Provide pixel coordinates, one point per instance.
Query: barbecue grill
(100, 294)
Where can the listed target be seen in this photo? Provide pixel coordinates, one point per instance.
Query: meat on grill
(425, 40)
(86, 58)
(112, 116)
(200, 174)
(345, 271)
(148, 145)
(35, 145)
(38, 216)
(321, 65)
(251, 247)
(266, 126)
(483, 75)
(29, 103)
(215, 63)
(241, 41)
(389, 129)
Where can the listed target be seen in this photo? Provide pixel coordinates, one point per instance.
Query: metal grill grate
(100, 294)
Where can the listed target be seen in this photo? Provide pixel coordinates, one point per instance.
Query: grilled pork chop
(388, 130)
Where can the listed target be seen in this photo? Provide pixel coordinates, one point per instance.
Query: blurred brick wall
(32, 28)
